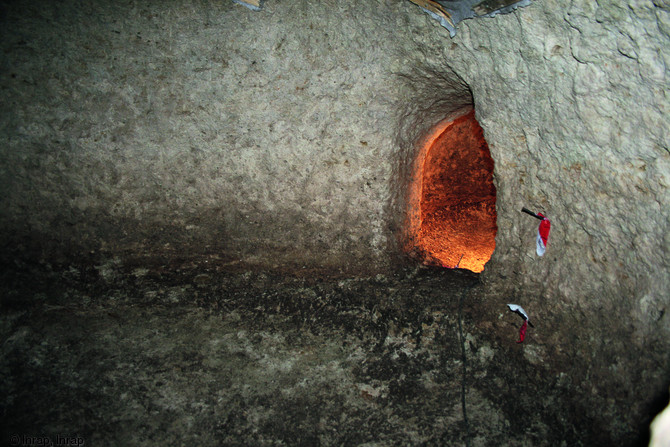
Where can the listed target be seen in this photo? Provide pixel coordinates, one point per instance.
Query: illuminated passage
(456, 209)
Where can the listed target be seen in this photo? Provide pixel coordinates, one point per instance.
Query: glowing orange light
(452, 219)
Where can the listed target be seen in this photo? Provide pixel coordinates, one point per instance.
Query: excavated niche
(450, 197)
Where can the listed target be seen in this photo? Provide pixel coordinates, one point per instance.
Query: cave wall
(573, 100)
(286, 137)
(574, 104)
(185, 128)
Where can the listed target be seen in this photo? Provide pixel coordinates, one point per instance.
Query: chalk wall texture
(191, 127)
(285, 137)
(574, 103)
(573, 97)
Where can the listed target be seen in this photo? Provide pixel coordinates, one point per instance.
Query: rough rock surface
(181, 353)
(285, 138)
(204, 127)
(575, 109)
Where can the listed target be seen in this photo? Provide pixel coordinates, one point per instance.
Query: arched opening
(452, 220)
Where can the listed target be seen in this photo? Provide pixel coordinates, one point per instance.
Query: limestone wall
(203, 127)
(286, 137)
(573, 100)
(574, 104)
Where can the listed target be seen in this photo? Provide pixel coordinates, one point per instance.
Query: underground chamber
(452, 214)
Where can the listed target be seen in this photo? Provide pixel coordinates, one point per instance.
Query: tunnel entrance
(452, 201)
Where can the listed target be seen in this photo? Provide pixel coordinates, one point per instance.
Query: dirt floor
(213, 353)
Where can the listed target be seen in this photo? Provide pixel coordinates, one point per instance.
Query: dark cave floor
(200, 354)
